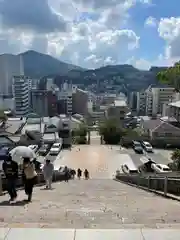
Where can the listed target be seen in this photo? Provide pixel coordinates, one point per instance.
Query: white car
(147, 146)
(56, 145)
(160, 168)
(54, 151)
(33, 147)
(129, 169)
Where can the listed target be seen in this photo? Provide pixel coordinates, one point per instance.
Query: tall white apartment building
(65, 96)
(141, 103)
(10, 65)
(21, 95)
(156, 98)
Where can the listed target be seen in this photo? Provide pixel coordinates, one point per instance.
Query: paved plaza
(87, 234)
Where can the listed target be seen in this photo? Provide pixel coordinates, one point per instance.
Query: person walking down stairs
(10, 169)
(48, 171)
(29, 177)
(86, 174)
(79, 173)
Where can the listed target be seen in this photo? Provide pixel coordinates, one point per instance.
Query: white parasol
(20, 152)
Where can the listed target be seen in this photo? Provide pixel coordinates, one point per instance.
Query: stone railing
(57, 176)
(163, 184)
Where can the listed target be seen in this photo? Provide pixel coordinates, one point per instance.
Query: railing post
(165, 185)
(1, 189)
(149, 182)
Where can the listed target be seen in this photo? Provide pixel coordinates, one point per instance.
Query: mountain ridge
(39, 65)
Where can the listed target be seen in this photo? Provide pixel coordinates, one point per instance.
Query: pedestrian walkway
(94, 203)
(88, 234)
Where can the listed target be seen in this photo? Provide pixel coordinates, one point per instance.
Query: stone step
(88, 234)
(94, 203)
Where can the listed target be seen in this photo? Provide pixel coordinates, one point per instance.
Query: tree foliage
(79, 134)
(176, 160)
(81, 131)
(3, 116)
(111, 131)
(171, 76)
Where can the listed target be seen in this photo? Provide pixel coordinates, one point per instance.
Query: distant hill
(118, 77)
(37, 65)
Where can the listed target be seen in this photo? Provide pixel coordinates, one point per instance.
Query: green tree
(171, 76)
(80, 134)
(111, 131)
(176, 160)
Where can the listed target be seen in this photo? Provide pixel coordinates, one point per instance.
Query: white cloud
(169, 31)
(89, 33)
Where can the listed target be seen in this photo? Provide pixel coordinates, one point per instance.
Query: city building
(44, 102)
(21, 95)
(10, 65)
(80, 102)
(161, 133)
(174, 110)
(65, 99)
(118, 110)
(151, 102)
(141, 103)
(156, 98)
(132, 101)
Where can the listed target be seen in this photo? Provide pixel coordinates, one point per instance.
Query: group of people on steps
(30, 173)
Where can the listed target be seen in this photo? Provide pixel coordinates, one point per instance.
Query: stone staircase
(95, 203)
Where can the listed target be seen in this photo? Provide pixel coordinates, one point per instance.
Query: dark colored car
(137, 147)
(43, 151)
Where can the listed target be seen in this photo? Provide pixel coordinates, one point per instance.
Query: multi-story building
(141, 103)
(80, 102)
(151, 102)
(117, 111)
(132, 101)
(44, 102)
(174, 110)
(39, 102)
(156, 98)
(65, 99)
(21, 95)
(10, 65)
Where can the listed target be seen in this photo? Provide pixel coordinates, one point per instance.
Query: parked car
(57, 145)
(137, 147)
(54, 151)
(44, 150)
(33, 147)
(147, 146)
(129, 168)
(160, 168)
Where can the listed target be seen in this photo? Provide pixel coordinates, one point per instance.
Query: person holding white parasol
(24, 156)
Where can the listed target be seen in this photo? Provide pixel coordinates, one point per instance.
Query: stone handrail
(165, 184)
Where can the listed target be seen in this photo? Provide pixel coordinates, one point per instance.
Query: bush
(80, 140)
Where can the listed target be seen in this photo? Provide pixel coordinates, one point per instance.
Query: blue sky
(151, 44)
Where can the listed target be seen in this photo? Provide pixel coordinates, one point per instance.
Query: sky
(94, 33)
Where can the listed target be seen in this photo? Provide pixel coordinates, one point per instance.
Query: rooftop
(32, 127)
(175, 104)
(12, 126)
(161, 126)
(120, 103)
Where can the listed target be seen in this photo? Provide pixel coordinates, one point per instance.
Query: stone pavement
(88, 234)
(96, 204)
